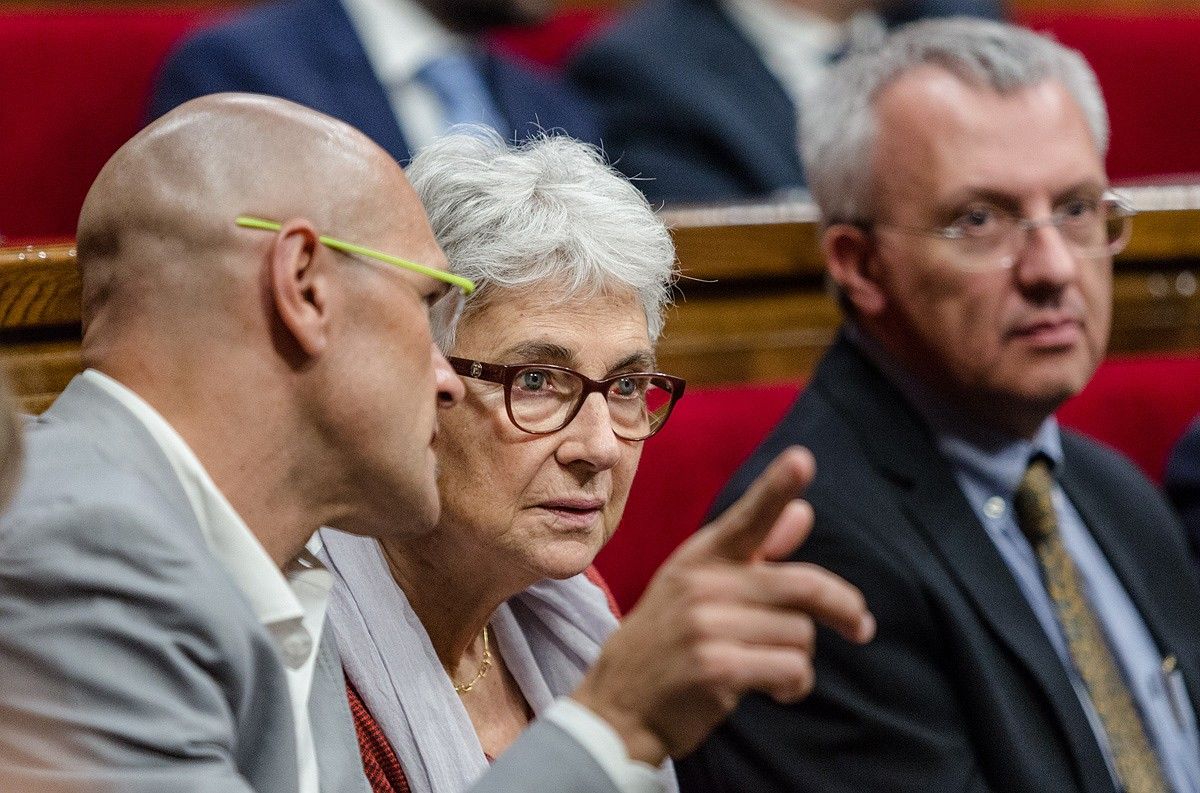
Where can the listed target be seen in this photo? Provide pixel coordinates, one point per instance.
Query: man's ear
(299, 285)
(849, 255)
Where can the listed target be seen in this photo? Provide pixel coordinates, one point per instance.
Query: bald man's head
(304, 378)
(157, 237)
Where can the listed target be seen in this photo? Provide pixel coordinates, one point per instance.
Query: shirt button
(994, 507)
(295, 648)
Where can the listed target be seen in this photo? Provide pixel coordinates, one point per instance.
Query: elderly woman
(454, 641)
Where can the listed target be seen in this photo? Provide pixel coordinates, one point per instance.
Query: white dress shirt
(290, 604)
(400, 38)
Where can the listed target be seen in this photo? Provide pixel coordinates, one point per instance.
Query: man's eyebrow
(957, 201)
(1089, 187)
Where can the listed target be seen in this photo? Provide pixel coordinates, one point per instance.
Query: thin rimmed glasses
(541, 398)
(446, 309)
(987, 237)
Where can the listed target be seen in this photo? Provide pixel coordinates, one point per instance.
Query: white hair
(548, 212)
(839, 122)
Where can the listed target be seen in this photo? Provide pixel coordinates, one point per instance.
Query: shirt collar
(400, 37)
(990, 455)
(226, 534)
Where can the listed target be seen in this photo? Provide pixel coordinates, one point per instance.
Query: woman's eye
(626, 387)
(532, 380)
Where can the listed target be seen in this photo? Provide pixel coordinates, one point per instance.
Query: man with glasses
(1037, 612)
(250, 378)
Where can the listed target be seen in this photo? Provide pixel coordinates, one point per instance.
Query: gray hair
(549, 211)
(839, 123)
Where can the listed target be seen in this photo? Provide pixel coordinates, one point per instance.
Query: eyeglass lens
(544, 400)
(444, 313)
(1096, 232)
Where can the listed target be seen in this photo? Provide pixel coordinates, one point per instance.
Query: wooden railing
(759, 309)
(752, 303)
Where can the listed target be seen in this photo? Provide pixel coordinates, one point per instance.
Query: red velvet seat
(74, 85)
(1147, 66)
(1139, 406)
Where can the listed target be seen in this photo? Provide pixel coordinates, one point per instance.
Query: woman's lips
(574, 513)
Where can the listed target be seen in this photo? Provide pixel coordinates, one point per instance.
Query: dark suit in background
(309, 52)
(961, 690)
(1182, 482)
(686, 101)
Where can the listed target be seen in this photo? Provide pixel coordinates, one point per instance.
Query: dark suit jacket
(686, 101)
(961, 690)
(308, 51)
(1182, 481)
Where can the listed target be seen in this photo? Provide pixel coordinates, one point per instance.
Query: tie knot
(1033, 501)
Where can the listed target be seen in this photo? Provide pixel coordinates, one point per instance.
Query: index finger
(739, 532)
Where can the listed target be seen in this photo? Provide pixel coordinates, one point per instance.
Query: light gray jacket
(131, 662)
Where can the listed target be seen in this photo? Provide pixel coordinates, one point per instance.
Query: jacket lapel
(902, 449)
(355, 93)
(765, 141)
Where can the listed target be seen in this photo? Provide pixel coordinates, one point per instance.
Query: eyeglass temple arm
(465, 284)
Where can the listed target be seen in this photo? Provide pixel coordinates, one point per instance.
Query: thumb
(740, 532)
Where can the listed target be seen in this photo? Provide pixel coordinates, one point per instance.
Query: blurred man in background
(700, 98)
(402, 71)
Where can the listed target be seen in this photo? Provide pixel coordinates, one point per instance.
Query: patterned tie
(1136, 764)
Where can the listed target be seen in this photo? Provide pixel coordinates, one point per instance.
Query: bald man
(243, 387)
(247, 381)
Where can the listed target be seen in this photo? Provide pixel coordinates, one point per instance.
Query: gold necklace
(485, 663)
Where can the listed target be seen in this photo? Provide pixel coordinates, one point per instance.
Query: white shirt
(795, 44)
(400, 38)
(290, 604)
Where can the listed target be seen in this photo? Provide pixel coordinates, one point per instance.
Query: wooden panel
(40, 371)
(753, 303)
(39, 287)
(752, 337)
(39, 321)
(762, 311)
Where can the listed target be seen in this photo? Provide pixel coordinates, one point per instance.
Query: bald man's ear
(849, 255)
(300, 285)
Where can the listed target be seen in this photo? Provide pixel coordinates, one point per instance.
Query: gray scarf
(549, 635)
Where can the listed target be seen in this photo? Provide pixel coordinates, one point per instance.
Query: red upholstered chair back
(710, 434)
(74, 85)
(1147, 66)
(1139, 406)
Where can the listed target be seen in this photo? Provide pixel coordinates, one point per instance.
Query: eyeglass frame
(465, 285)
(505, 374)
(1125, 212)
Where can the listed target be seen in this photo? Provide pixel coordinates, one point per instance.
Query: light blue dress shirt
(989, 467)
